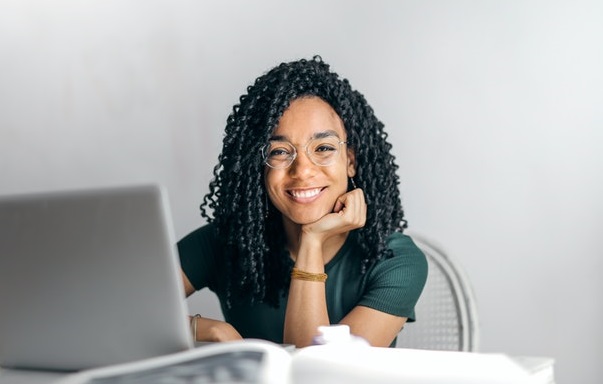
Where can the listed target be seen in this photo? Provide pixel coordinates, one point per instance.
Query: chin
(307, 219)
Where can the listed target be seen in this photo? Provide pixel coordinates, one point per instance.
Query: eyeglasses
(321, 151)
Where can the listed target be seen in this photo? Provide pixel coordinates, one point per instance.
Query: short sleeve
(198, 251)
(395, 284)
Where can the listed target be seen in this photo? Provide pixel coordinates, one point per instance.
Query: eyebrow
(317, 135)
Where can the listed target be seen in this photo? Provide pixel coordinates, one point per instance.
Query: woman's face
(304, 192)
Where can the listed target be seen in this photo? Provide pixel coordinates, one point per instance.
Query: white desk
(314, 365)
(321, 365)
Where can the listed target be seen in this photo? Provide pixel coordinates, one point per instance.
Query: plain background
(494, 109)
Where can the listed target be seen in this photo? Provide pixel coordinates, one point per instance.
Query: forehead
(308, 117)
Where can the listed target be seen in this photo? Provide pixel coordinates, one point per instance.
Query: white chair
(446, 312)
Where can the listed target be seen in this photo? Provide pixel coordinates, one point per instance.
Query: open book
(255, 361)
(249, 361)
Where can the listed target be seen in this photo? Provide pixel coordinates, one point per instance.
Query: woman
(307, 221)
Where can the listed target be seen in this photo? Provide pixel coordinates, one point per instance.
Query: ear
(351, 162)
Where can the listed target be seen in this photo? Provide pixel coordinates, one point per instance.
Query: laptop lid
(89, 278)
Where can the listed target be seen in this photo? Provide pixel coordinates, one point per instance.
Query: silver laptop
(89, 278)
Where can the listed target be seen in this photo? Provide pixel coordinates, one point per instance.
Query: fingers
(352, 208)
(349, 212)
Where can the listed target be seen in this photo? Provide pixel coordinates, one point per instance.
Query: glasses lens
(324, 151)
(279, 154)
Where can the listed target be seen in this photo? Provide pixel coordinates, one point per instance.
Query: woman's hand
(215, 330)
(348, 213)
(209, 329)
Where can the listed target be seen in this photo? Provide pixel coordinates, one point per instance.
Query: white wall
(494, 109)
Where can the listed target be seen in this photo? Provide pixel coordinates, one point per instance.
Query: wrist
(194, 326)
(299, 274)
(311, 239)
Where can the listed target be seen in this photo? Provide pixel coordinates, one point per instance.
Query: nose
(302, 167)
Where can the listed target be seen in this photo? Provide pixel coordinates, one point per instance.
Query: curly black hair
(247, 224)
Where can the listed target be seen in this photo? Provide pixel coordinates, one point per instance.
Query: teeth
(304, 194)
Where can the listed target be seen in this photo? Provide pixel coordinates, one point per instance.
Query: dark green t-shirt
(391, 285)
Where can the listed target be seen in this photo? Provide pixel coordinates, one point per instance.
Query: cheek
(343, 174)
(270, 181)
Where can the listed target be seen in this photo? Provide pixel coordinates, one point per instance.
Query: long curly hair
(248, 226)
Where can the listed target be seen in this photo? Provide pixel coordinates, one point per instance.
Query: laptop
(89, 278)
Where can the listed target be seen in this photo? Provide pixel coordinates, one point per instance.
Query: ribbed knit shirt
(391, 285)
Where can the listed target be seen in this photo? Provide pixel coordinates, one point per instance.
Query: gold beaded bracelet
(308, 276)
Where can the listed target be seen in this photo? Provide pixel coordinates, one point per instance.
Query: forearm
(306, 306)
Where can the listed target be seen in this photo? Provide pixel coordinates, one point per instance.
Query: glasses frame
(291, 158)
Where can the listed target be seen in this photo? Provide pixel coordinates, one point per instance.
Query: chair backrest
(446, 312)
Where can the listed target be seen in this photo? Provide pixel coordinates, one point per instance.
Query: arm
(306, 305)
(197, 252)
(378, 328)
(377, 317)
(319, 241)
(209, 329)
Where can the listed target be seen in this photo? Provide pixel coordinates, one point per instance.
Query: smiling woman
(307, 221)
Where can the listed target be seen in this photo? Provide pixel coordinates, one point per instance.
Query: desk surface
(309, 364)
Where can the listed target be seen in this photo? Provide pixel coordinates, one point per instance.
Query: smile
(304, 193)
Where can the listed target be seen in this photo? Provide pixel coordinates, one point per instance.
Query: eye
(325, 147)
(278, 150)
